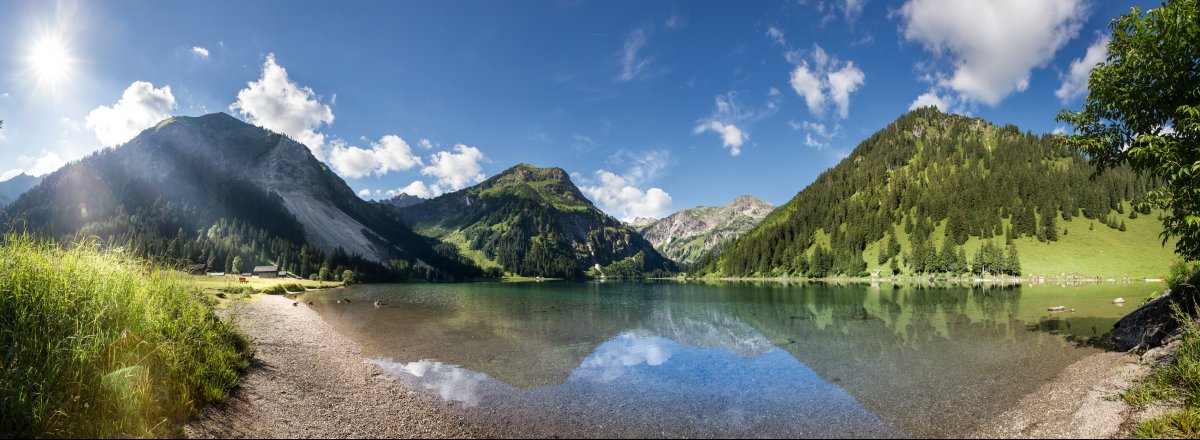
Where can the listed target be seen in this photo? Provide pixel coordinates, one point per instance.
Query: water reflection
(450, 382)
(789, 360)
(613, 358)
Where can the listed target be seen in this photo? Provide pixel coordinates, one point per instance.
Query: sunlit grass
(96, 343)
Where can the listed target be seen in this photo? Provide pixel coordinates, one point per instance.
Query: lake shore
(308, 381)
(1083, 401)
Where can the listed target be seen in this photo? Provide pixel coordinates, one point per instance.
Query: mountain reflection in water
(669, 359)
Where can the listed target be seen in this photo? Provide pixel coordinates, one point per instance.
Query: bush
(99, 344)
(274, 290)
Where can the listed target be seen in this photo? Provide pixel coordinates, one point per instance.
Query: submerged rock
(1151, 324)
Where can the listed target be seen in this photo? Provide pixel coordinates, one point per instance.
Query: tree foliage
(1143, 109)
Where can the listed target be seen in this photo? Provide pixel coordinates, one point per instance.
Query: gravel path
(308, 381)
(1082, 402)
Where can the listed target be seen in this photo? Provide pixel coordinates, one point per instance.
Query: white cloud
(200, 52)
(456, 170)
(729, 120)
(633, 65)
(391, 153)
(931, 98)
(851, 9)
(731, 136)
(140, 107)
(816, 135)
(417, 188)
(1075, 81)
(47, 163)
(819, 80)
(777, 35)
(364, 193)
(991, 45)
(425, 143)
(842, 83)
(10, 174)
(617, 196)
(1060, 130)
(277, 103)
(620, 195)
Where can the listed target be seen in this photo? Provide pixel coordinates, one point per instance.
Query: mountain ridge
(533, 221)
(191, 173)
(688, 234)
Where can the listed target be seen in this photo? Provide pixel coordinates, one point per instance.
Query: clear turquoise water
(727, 359)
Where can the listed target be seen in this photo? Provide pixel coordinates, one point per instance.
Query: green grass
(1099, 252)
(96, 343)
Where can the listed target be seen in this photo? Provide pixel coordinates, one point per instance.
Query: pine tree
(1013, 262)
(1122, 228)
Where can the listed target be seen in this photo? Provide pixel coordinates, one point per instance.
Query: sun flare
(50, 61)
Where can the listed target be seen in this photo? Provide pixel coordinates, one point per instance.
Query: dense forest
(533, 221)
(928, 172)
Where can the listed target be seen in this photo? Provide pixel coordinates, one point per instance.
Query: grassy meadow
(95, 343)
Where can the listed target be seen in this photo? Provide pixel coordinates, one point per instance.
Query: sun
(50, 61)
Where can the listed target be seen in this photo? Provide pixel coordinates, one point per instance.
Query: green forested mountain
(205, 190)
(532, 221)
(939, 193)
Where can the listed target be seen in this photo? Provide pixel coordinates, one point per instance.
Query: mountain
(12, 188)
(404, 200)
(640, 223)
(533, 221)
(205, 189)
(686, 235)
(939, 193)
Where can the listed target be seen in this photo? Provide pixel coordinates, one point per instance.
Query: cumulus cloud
(417, 188)
(10, 174)
(47, 163)
(140, 107)
(391, 153)
(1075, 81)
(991, 46)
(822, 78)
(931, 98)
(364, 193)
(620, 195)
(425, 143)
(633, 64)
(200, 52)
(456, 170)
(276, 102)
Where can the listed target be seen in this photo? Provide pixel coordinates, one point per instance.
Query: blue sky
(645, 103)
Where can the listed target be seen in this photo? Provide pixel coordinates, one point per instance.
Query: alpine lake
(728, 359)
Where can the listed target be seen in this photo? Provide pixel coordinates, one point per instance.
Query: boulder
(1149, 326)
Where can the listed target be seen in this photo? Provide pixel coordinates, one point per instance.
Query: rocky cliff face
(404, 200)
(686, 235)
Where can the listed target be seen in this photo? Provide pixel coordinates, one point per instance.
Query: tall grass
(95, 343)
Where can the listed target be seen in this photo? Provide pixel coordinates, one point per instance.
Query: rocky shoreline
(308, 381)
